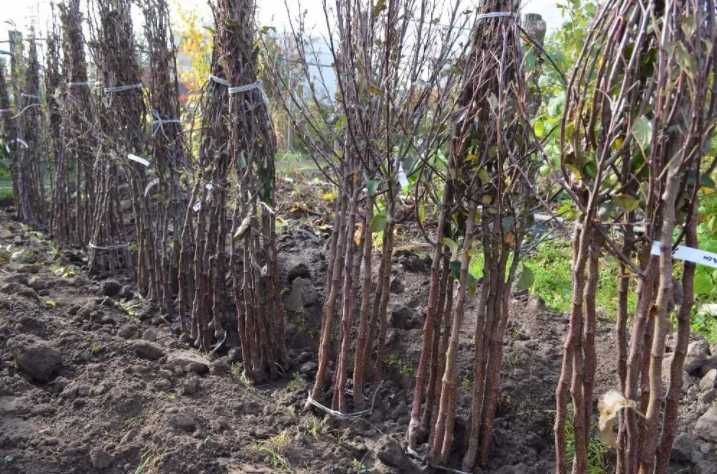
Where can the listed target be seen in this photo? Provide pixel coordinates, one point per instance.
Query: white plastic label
(138, 159)
(689, 254)
(402, 178)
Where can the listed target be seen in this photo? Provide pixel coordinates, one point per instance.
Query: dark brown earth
(94, 379)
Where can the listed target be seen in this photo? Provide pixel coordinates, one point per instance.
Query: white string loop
(93, 245)
(128, 87)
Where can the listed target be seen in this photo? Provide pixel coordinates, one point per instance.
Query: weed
(314, 426)
(358, 467)
(403, 367)
(551, 264)
(274, 448)
(296, 383)
(148, 462)
(597, 451)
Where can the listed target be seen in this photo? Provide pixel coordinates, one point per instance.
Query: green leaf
(475, 268)
(455, 267)
(372, 186)
(378, 7)
(642, 131)
(378, 223)
(703, 283)
(555, 105)
(525, 278)
(451, 244)
(627, 202)
(684, 59)
(706, 181)
(493, 102)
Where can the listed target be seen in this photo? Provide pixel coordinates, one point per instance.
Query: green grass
(289, 161)
(5, 187)
(597, 451)
(551, 264)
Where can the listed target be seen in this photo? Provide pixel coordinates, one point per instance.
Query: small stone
(150, 334)
(127, 292)
(127, 331)
(147, 350)
(29, 268)
(308, 368)
(697, 355)
(405, 317)
(37, 283)
(220, 366)
(19, 290)
(706, 426)
(708, 396)
(184, 421)
(100, 458)
(111, 288)
(188, 361)
(391, 454)
(234, 355)
(302, 294)
(396, 285)
(709, 381)
(300, 270)
(37, 360)
(190, 386)
(162, 385)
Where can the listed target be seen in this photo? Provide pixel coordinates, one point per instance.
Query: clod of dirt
(187, 361)
(300, 270)
(308, 368)
(147, 350)
(190, 386)
(20, 290)
(391, 454)
(709, 381)
(127, 331)
(150, 334)
(38, 283)
(697, 356)
(302, 294)
(411, 262)
(183, 421)
(396, 286)
(36, 359)
(111, 288)
(100, 458)
(706, 427)
(220, 366)
(405, 317)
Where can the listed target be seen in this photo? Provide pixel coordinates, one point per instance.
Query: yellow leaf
(329, 196)
(358, 234)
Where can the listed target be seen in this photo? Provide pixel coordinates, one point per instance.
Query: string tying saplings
(79, 125)
(16, 79)
(251, 147)
(487, 200)
(201, 233)
(636, 120)
(393, 83)
(60, 217)
(122, 127)
(31, 193)
(9, 129)
(168, 151)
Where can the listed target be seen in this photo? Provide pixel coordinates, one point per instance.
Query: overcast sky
(271, 12)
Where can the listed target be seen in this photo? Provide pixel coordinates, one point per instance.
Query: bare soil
(126, 395)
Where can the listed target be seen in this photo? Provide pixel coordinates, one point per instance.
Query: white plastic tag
(689, 254)
(138, 159)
